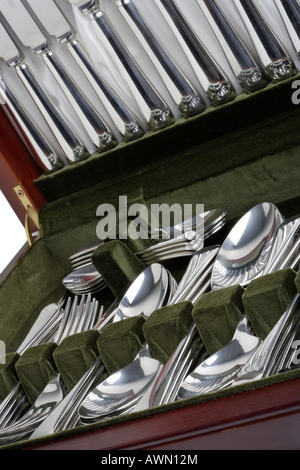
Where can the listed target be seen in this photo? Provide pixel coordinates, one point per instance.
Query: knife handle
(275, 61)
(217, 87)
(246, 70)
(71, 146)
(186, 98)
(43, 153)
(156, 112)
(290, 13)
(126, 123)
(97, 130)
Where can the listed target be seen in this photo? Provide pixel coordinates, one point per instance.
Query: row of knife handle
(274, 64)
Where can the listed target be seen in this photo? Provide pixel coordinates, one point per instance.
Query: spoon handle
(245, 68)
(290, 13)
(45, 155)
(217, 87)
(183, 93)
(275, 60)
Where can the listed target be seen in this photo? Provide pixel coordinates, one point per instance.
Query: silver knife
(70, 145)
(31, 36)
(152, 106)
(247, 72)
(217, 87)
(57, 25)
(43, 153)
(290, 13)
(182, 91)
(275, 60)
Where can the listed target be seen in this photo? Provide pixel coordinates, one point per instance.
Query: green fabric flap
(117, 264)
(216, 316)
(8, 375)
(75, 355)
(166, 327)
(33, 284)
(297, 281)
(168, 151)
(267, 298)
(35, 368)
(120, 342)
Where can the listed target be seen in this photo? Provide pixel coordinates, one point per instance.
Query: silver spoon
(149, 291)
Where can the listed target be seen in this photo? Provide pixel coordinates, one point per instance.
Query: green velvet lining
(75, 355)
(8, 375)
(35, 368)
(31, 286)
(120, 342)
(117, 264)
(166, 327)
(267, 298)
(216, 316)
(297, 281)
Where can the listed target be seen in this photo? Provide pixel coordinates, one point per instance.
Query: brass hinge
(31, 213)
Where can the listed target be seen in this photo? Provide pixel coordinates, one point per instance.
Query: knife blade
(244, 66)
(182, 91)
(152, 106)
(211, 77)
(71, 146)
(290, 13)
(57, 25)
(31, 36)
(275, 60)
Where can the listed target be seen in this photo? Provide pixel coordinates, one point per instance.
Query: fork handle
(275, 60)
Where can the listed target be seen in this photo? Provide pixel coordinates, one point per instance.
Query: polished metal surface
(220, 369)
(276, 62)
(57, 25)
(78, 315)
(246, 250)
(187, 99)
(290, 13)
(245, 67)
(30, 35)
(148, 292)
(217, 87)
(44, 154)
(261, 362)
(154, 109)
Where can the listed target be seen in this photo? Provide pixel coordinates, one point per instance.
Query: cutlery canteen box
(233, 157)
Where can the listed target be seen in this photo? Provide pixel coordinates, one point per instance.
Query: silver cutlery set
(78, 104)
(262, 241)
